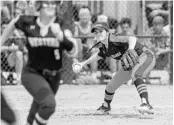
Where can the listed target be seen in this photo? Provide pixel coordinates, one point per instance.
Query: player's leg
(146, 64)
(54, 84)
(118, 79)
(33, 110)
(40, 89)
(7, 113)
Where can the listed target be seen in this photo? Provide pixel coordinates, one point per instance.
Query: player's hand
(77, 67)
(56, 30)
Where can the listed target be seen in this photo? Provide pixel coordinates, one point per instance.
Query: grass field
(76, 105)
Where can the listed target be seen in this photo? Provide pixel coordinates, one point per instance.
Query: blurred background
(150, 21)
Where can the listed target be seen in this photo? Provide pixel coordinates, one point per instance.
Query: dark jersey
(117, 46)
(43, 51)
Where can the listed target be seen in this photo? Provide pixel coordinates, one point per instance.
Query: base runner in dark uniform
(47, 37)
(116, 47)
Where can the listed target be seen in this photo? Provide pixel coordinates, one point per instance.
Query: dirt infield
(76, 105)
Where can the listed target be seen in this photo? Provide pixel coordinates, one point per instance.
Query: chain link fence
(140, 13)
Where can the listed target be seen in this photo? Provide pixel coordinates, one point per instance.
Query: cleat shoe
(146, 108)
(104, 109)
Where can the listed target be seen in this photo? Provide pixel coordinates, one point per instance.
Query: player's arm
(163, 51)
(70, 43)
(132, 40)
(9, 48)
(65, 36)
(93, 58)
(8, 31)
(77, 66)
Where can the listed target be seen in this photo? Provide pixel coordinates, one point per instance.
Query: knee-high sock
(39, 120)
(142, 90)
(108, 97)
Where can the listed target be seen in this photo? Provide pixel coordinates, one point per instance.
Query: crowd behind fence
(100, 72)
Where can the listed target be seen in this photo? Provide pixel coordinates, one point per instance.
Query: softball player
(47, 37)
(137, 61)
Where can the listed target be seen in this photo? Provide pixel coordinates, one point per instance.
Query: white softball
(76, 67)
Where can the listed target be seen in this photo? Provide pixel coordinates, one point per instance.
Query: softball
(76, 67)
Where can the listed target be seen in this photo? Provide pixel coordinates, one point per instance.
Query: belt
(44, 71)
(49, 72)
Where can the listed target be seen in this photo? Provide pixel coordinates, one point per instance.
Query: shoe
(146, 108)
(104, 109)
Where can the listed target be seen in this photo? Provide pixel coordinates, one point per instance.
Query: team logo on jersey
(37, 41)
(116, 55)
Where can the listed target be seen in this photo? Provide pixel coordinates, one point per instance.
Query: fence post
(171, 41)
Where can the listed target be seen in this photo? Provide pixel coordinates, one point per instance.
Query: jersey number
(57, 54)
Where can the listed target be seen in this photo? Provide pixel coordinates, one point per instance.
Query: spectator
(83, 28)
(153, 10)
(5, 14)
(125, 25)
(162, 11)
(30, 10)
(160, 45)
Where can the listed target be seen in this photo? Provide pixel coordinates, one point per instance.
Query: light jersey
(117, 46)
(43, 51)
(82, 31)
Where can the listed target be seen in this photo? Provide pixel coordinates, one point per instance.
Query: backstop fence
(100, 73)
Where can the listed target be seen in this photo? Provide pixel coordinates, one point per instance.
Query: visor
(100, 26)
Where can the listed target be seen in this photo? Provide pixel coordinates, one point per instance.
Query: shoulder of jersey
(118, 38)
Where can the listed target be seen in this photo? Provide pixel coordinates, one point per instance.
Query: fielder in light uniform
(127, 49)
(47, 37)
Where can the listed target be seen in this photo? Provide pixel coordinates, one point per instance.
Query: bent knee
(47, 99)
(49, 104)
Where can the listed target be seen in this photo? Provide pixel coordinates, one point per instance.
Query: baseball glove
(129, 60)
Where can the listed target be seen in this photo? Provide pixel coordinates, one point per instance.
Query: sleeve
(101, 53)
(67, 44)
(70, 44)
(67, 33)
(65, 24)
(19, 24)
